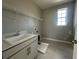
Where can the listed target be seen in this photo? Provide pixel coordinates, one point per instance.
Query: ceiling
(43, 4)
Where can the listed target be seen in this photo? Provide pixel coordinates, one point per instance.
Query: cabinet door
(23, 54)
(34, 46)
(33, 49)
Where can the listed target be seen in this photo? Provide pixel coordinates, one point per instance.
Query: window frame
(62, 17)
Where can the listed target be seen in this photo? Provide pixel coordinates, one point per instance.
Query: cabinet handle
(28, 50)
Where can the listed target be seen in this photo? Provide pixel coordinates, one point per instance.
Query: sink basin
(14, 39)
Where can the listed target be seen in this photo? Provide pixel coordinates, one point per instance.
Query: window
(61, 17)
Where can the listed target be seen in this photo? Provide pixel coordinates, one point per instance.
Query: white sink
(15, 39)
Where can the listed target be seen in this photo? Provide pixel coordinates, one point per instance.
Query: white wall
(50, 28)
(19, 15)
(26, 7)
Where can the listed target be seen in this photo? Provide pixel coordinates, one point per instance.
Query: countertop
(6, 46)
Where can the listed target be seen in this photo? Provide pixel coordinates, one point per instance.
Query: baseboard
(57, 40)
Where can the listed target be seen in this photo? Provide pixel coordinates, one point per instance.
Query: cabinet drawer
(20, 55)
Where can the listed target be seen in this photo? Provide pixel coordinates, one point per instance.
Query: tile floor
(57, 50)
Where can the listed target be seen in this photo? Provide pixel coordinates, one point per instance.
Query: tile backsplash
(13, 22)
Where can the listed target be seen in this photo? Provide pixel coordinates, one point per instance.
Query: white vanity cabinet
(29, 51)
